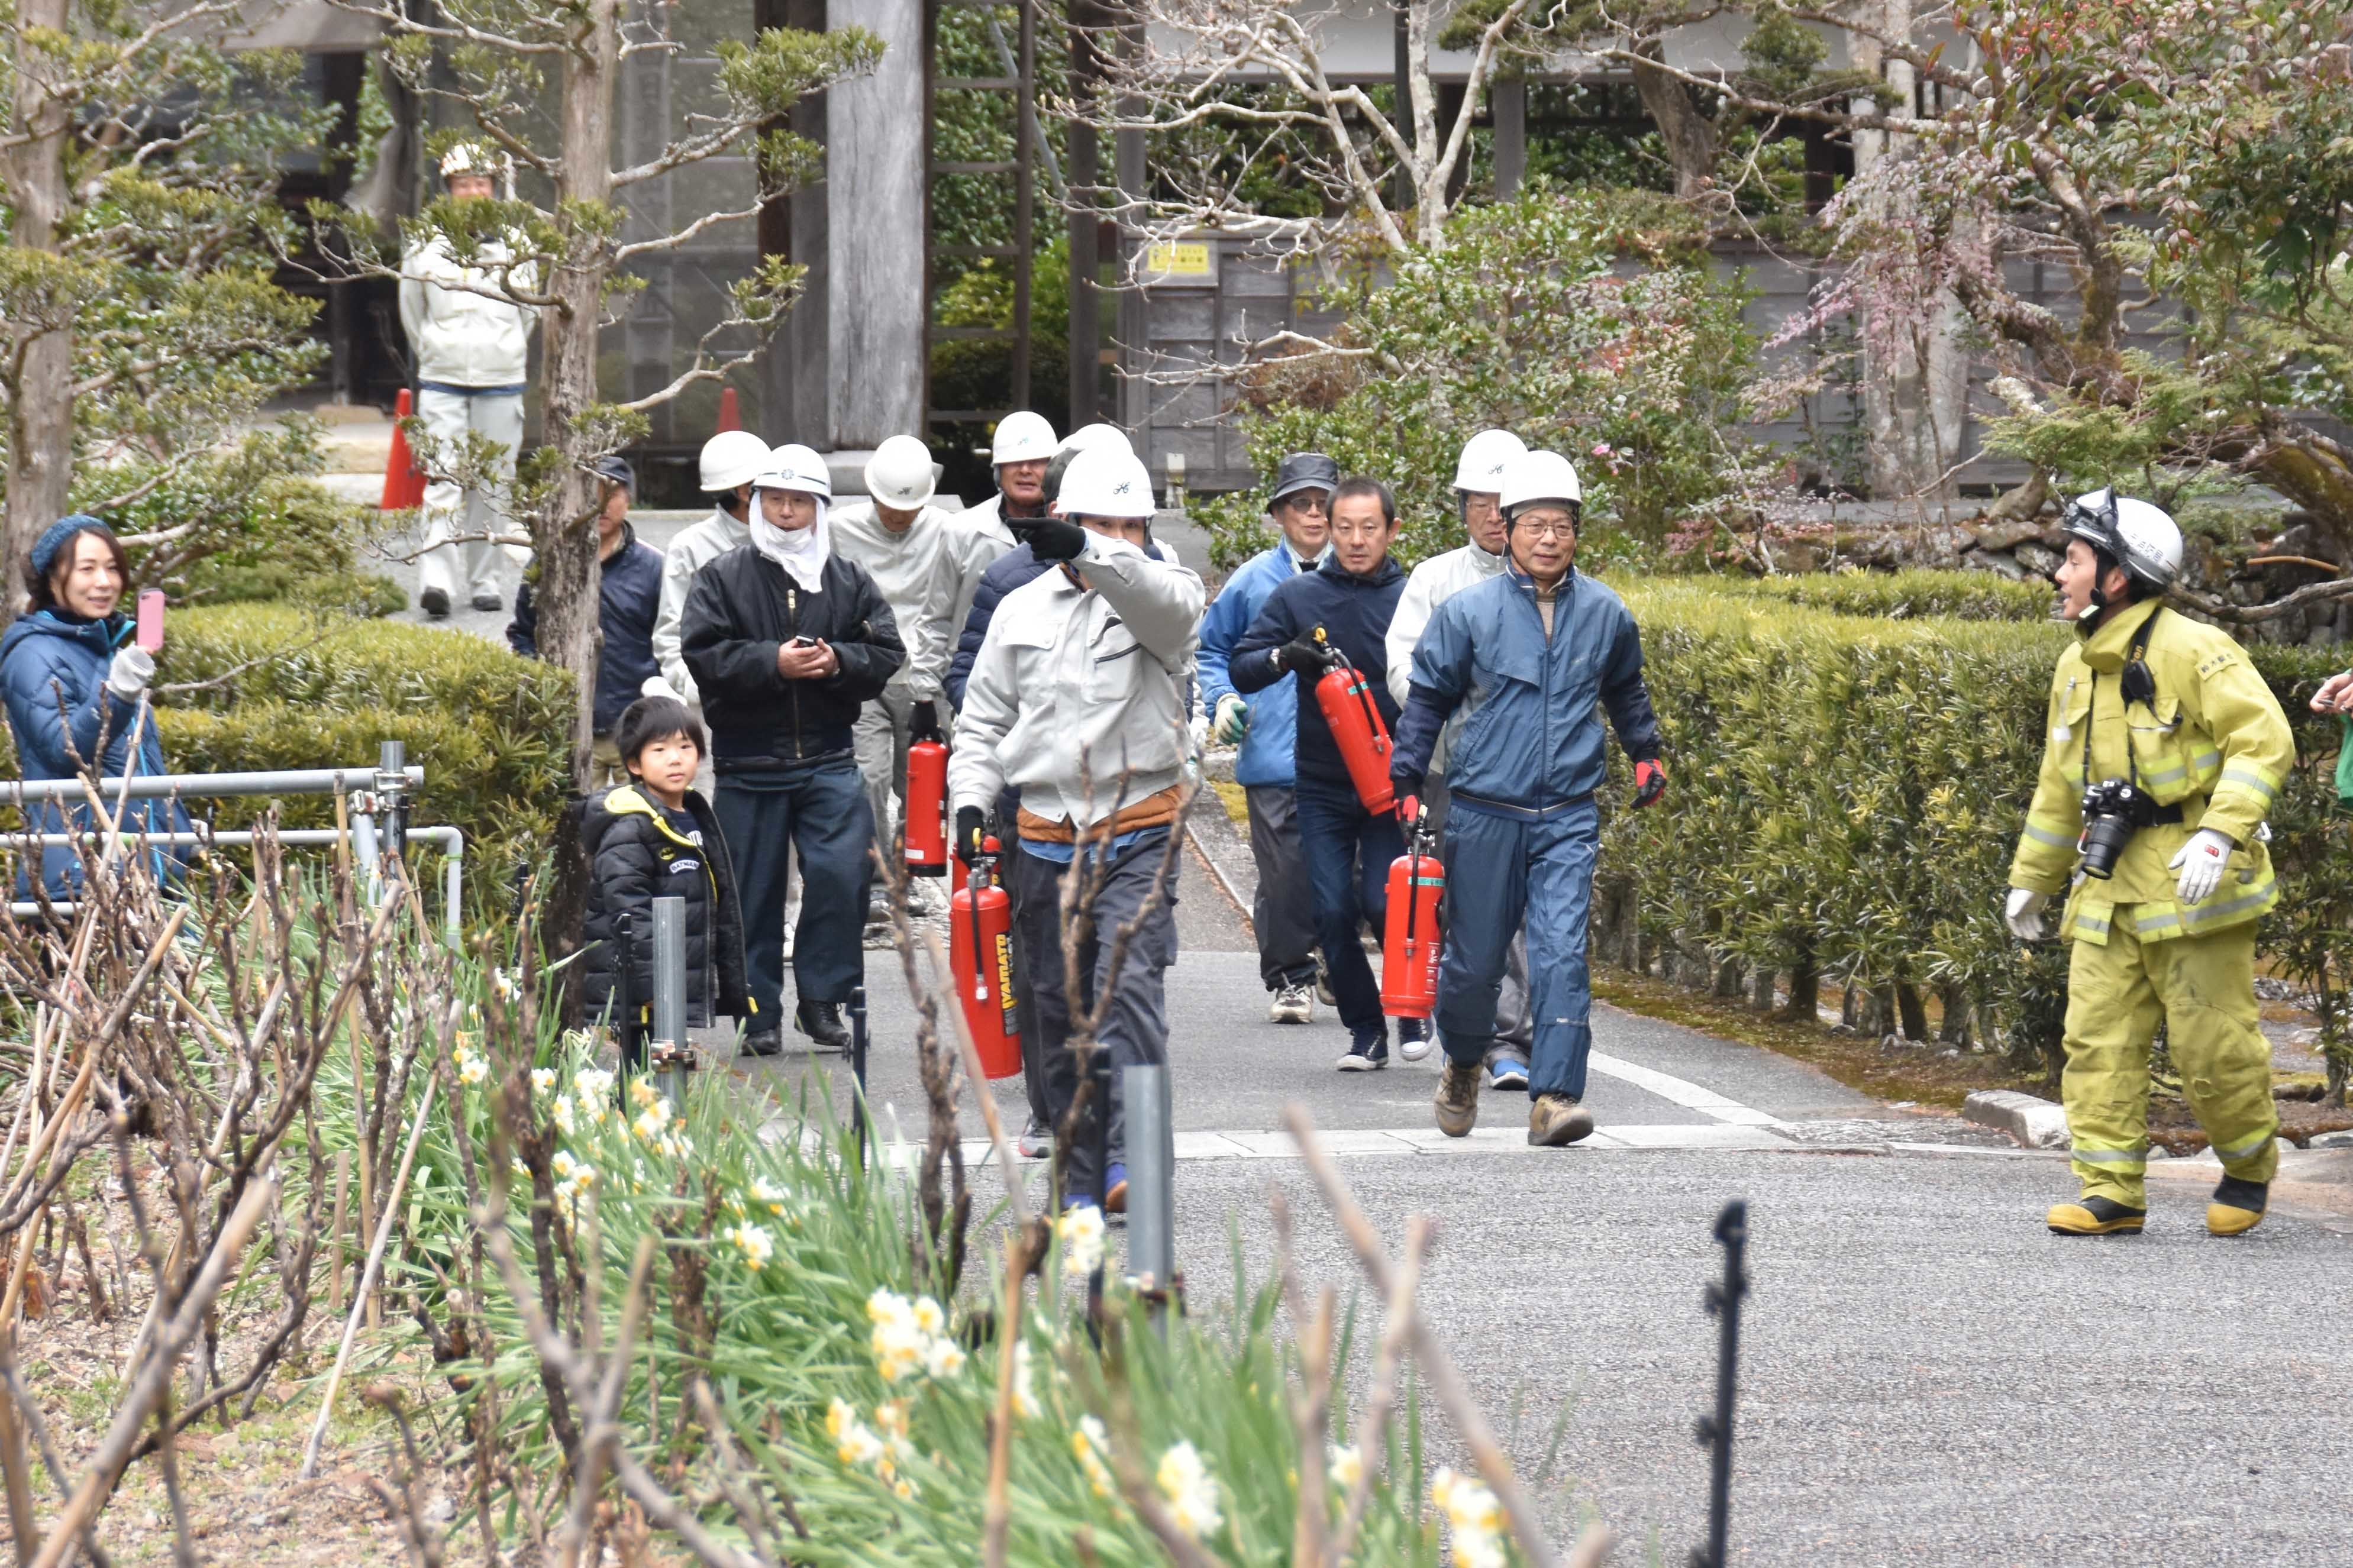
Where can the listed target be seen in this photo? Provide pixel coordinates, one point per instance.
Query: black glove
(925, 724)
(971, 828)
(1051, 538)
(1304, 653)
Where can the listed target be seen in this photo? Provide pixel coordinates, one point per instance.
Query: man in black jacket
(1313, 623)
(786, 642)
(628, 595)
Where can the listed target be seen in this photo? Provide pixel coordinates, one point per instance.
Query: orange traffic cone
(730, 416)
(404, 482)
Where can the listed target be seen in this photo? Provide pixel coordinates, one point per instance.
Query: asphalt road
(1928, 1375)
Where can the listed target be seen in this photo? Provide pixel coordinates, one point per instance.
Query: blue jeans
(1501, 871)
(821, 810)
(1348, 851)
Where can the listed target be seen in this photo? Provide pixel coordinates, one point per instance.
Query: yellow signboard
(1183, 258)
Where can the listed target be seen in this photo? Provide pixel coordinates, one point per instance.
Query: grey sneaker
(1558, 1118)
(1458, 1099)
(1292, 1004)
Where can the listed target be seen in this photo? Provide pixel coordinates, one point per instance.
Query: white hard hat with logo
(1485, 458)
(732, 458)
(1106, 483)
(1087, 437)
(793, 466)
(901, 474)
(1536, 477)
(472, 158)
(2138, 535)
(1021, 437)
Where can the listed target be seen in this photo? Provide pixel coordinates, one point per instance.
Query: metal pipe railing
(451, 841)
(300, 781)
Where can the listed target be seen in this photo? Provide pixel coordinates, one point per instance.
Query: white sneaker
(1292, 1004)
(1412, 1047)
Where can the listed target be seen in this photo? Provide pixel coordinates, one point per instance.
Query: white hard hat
(1485, 458)
(1106, 483)
(472, 158)
(732, 458)
(901, 474)
(1087, 437)
(1539, 476)
(2136, 534)
(1021, 437)
(793, 466)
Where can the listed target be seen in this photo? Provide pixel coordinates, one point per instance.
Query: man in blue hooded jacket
(1528, 655)
(1264, 724)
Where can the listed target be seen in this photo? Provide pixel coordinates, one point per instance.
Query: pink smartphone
(151, 620)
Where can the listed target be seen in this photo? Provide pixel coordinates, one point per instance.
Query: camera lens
(2105, 838)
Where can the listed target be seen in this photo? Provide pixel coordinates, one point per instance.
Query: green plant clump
(1848, 792)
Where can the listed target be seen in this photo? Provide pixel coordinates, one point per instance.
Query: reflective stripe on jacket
(2213, 740)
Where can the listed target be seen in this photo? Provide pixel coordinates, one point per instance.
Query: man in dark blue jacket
(628, 597)
(1313, 623)
(1527, 655)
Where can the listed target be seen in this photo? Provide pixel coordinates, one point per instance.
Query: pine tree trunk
(39, 363)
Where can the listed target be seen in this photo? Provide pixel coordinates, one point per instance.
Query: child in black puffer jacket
(656, 837)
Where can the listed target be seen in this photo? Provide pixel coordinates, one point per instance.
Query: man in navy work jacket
(1527, 655)
(1264, 724)
(1339, 614)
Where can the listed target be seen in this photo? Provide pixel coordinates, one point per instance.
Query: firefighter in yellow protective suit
(2164, 753)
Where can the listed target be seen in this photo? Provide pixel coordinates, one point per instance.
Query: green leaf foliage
(1852, 761)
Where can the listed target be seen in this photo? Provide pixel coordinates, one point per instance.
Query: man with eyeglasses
(1478, 485)
(1263, 725)
(1529, 655)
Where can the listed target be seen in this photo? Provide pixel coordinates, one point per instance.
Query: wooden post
(342, 1220)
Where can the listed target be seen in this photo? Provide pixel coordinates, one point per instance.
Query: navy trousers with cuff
(821, 810)
(1503, 871)
(1348, 851)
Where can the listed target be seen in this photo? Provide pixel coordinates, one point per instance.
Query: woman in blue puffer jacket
(73, 681)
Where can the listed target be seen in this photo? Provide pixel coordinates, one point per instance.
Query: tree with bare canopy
(537, 80)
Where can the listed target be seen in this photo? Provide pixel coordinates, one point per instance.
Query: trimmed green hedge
(1847, 791)
(1901, 595)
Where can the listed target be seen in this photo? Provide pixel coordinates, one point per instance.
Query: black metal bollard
(1715, 1431)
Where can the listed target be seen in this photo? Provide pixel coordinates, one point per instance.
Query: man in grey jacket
(471, 337)
(1478, 481)
(1084, 673)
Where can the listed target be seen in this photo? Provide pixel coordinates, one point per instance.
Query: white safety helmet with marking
(1021, 437)
(730, 458)
(793, 466)
(2134, 534)
(1486, 457)
(473, 158)
(1106, 482)
(901, 474)
(1540, 476)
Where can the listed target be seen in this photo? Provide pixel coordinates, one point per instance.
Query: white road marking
(1680, 1091)
(1509, 1136)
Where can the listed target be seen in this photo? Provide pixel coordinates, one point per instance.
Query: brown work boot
(1458, 1099)
(1558, 1118)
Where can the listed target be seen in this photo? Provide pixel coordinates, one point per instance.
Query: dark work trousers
(1535, 876)
(1513, 1031)
(1348, 851)
(1136, 1030)
(1025, 1007)
(1283, 910)
(821, 810)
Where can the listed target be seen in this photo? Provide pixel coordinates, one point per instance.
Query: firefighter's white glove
(2024, 914)
(655, 686)
(1233, 722)
(2200, 863)
(128, 676)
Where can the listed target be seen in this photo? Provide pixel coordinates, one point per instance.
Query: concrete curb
(2035, 1123)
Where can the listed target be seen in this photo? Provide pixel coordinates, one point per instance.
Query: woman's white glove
(1233, 721)
(2024, 914)
(2200, 863)
(128, 676)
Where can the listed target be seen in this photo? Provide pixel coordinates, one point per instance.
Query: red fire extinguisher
(1410, 939)
(926, 797)
(1347, 699)
(980, 962)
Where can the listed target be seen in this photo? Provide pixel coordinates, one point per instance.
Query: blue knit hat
(54, 538)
